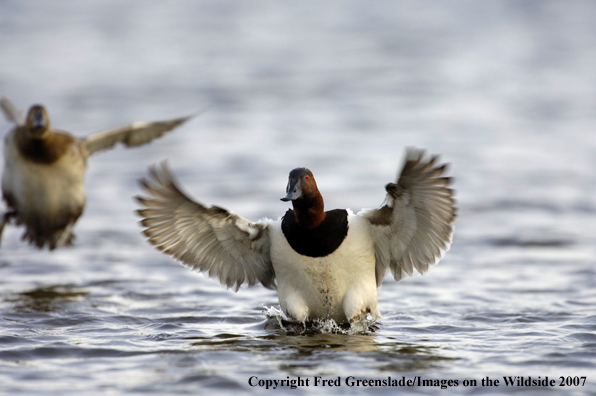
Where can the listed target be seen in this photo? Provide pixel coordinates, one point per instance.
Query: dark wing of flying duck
(135, 134)
(10, 112)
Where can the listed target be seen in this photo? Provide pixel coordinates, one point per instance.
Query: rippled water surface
(504, 91)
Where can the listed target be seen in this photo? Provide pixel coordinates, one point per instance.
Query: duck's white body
(48, 197)
(340, 286)
(325, 265)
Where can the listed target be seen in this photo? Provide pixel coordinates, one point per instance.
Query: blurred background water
(505, 91)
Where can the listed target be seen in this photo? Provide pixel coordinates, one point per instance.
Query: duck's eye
(306, 177)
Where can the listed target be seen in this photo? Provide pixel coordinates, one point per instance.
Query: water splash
(366, 326)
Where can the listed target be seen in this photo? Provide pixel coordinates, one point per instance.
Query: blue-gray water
(504, 90)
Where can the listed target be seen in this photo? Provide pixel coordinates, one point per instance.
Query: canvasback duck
(324, 265)
(43, 178)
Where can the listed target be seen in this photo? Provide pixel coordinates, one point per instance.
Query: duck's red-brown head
(307, 201)
(37, 122)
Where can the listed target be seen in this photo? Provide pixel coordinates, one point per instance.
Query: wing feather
(11, 113)
(135, 134)
(413, 230)
(212, 240)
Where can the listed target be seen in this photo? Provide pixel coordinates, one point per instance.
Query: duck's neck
(309, 211)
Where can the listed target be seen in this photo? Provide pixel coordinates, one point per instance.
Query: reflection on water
(47, 299)
(304, 355)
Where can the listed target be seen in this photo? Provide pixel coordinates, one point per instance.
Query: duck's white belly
(341, 286)
(44, 191)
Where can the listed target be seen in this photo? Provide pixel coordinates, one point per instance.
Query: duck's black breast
(45, 151)
(320, 241)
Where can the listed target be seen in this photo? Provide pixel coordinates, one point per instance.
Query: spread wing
(132, 135)
(210, 240)
(415, 226)
(10, 112)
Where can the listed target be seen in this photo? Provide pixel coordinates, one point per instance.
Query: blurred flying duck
(324, 265)
(44, 170)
